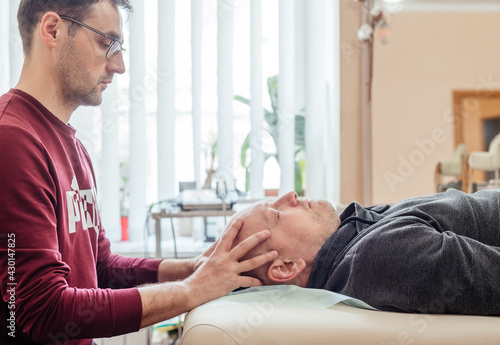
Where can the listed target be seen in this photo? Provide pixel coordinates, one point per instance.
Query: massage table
(297, 316)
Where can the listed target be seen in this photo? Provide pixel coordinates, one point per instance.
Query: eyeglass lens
(113, 49)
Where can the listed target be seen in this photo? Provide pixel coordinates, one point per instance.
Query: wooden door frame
(458, 97)
(459, 117)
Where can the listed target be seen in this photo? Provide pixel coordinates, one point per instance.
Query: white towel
(287, 296)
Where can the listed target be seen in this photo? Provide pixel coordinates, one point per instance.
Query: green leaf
(244, 149)
(242, 99)
(298, 179)
(297, 151)
(271, 118)
(213, 148)
(300, 130)
(273, 132)
(272, 87)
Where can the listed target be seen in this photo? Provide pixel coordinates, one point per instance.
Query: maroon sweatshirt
(58, 279)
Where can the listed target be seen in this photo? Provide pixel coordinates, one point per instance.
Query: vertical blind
(286, 95)
(152, 95)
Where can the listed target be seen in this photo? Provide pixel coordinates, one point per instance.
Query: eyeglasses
(114, 47)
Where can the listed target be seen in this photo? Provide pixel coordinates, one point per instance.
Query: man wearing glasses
(58, 279)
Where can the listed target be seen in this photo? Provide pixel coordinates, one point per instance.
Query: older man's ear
(284, 271)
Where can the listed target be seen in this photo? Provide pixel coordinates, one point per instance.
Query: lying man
(436, 254)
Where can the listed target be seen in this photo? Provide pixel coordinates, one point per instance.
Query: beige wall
(350, 107)
(428, 56)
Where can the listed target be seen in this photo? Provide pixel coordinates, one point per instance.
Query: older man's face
(292, 221)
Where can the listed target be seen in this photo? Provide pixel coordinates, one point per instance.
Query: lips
(105, 83)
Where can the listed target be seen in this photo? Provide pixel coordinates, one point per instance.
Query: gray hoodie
(435, 254)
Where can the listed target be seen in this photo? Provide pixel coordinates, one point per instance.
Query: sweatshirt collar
(48, 115)
(354, 220)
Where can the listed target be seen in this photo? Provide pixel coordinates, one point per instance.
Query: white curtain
(159, 92)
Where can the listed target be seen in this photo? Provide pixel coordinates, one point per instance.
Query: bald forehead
(254, 219)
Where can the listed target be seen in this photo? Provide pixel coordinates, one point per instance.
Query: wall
(350, 107)
(428, 56)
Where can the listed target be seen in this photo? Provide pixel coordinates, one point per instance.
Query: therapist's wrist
(174, 269)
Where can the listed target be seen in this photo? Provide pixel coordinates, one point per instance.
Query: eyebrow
(114, 35)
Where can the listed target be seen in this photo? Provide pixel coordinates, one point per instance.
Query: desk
(183, 214)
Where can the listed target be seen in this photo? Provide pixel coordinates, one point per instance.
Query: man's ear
(50, 29)
(284, 270)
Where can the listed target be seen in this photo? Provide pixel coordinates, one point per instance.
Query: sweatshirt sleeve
(118, 272)
(409, 266)
(46, 308)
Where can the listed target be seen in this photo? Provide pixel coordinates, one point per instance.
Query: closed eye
(106, 45)
(273, 215)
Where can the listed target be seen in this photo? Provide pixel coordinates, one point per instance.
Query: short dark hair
(31, 12)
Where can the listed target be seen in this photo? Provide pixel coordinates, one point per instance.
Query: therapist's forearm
(164, 301)
(174, 269)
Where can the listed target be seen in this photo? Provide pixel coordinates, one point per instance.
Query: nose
(289, 199)
(116, 64)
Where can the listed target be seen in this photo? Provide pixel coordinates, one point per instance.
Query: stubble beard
(330, 219)
(74, 80)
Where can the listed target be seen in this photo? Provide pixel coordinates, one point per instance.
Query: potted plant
(271, 127)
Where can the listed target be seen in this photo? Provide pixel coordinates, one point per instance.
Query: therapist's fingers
(200, 259)
(227, 238)
(246, 282)
(256, 262)
(242, 248)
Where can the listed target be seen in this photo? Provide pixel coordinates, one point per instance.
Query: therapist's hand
(200, 259)
(171, 270)
(220, 273)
